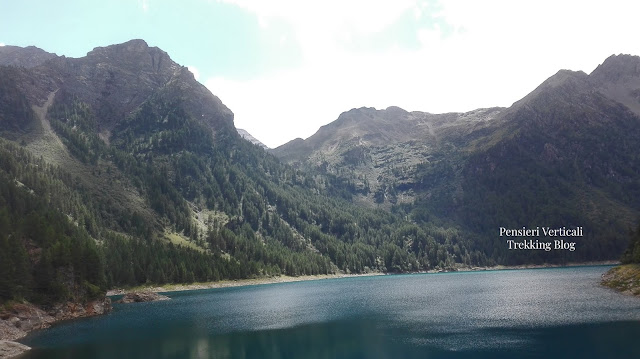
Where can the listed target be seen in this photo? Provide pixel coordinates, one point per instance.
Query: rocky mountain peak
(561, 84)
(618, 78)
(395, 111)
(617, 68)
(116, 80)
(367, 115)
(564, 77)
(131, 47)
(135, 54)
(355, 115)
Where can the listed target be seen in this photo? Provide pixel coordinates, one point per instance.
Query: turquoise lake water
(537, 313)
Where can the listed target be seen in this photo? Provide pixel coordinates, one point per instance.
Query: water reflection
(364, 339)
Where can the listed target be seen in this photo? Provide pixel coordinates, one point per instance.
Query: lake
(533, 313)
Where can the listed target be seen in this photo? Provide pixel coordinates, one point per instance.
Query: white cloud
(318, 24)
(2, 44)
(196, 73)
(144, 5)
(497, 52)
(365, 15)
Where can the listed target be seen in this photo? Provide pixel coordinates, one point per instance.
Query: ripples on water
(543, 313)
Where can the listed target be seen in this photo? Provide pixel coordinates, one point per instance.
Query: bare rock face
(71, 310)
(138, 297)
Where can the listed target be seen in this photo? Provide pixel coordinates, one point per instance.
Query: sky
(287, 67)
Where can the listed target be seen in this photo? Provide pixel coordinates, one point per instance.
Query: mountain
(247, 136)
(118, 169)
(566, 155)
(375, 151)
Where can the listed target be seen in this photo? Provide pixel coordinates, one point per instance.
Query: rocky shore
(138, 297)
(9, 349)
(624, 278)
(18, 319)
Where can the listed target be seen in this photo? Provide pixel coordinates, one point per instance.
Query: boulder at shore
(137, 297)
(9, 349)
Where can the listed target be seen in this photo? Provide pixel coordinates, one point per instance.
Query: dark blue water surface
(537, 313)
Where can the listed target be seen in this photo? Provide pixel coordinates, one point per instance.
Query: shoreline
(542, 266)
(7, 340)
(17, 320)
(167, 288)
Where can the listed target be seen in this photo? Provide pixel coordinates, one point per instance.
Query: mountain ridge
(584, 122)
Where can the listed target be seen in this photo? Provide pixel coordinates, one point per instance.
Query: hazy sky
(287, 67)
